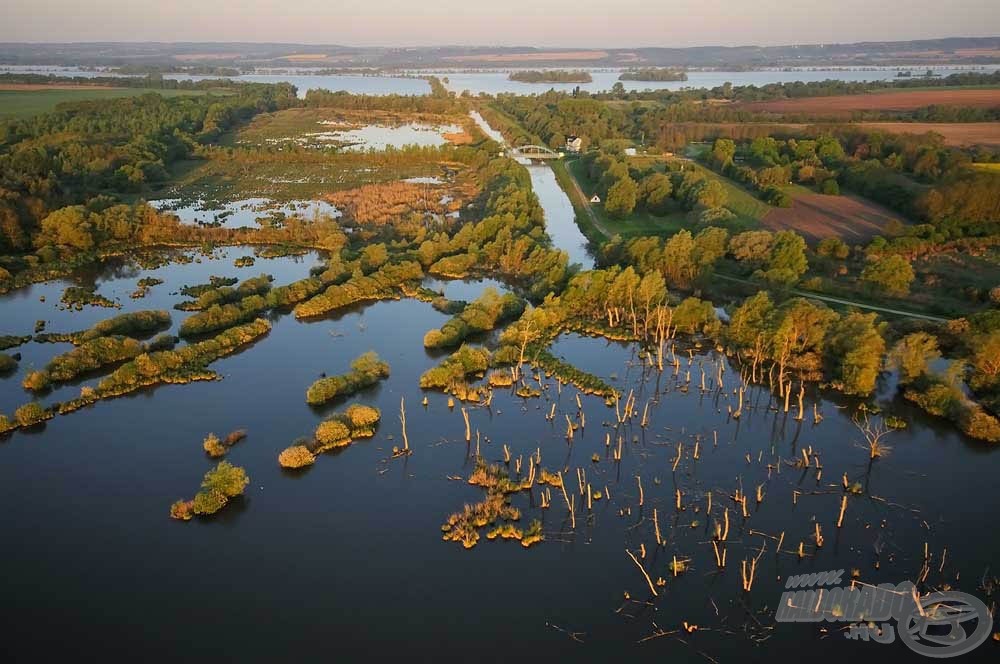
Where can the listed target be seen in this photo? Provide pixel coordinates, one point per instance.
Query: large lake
(496, 81)
(328, 560)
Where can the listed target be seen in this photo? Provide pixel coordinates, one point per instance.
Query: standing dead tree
(873, 432)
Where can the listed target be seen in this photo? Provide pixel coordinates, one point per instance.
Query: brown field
(816, 216)
(187, 57)
(896, 100)
(977, 52)
(530, 57)
(957, 133)
(51, 86)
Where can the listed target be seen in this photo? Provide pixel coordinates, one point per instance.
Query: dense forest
(653, 74)
(86, 153)
(550, 76)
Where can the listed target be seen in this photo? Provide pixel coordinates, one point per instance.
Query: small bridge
(533, 152)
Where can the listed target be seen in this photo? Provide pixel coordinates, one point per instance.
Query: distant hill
(953, 50)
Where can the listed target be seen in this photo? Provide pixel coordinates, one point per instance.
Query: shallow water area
(245, 213)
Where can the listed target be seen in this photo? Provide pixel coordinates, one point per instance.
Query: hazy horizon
(552, 24)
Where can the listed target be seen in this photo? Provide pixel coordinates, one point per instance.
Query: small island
(653, 74)
(551, 76)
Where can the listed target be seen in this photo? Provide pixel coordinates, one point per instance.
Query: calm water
(245, 213)
(381, 137)
(496, 82)
(560, 219)
(356, 538)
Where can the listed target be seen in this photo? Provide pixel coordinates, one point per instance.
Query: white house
(630, 152)
(574, 144)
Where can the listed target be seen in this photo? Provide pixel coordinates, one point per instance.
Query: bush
(466, 361)
(88, 356)
(297, 456)
(182, 510)
(7, 363)
(366, 370)
(891, 275)
(777, 197)
(362, 419)
(31, 413)
(213, 446)
(715, 215)
(135, 324)
(208, 502)
(830, 187)
(226, 479)
(977, 423)
(483, 315)
(833, 247)
(332, 433)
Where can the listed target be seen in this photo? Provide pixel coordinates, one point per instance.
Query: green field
(741, 202)
(748, 209)
(21, 104)
(639, 222)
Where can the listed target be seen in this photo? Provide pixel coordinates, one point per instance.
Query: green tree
(723, 152)
(749, 326)
(678, 259)
(708, 194)
(226, 479)
(912, 356)
(854, 349)
(655, 191)
(621, 198)
(68, 226)
(787, 262)
(752, 247)
(891, 275)
(833, 247)
(709, 247)
(800, 329)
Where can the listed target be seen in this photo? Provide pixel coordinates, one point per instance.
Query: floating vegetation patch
(88, 356)
(209, 296)
(13, 341)
(451, 375)
(219, 486)
(135, 324)
(357, 421)
(218, 317)
(214, 282)
(7, 363)
(143, 286)
(383, 284)
(483, 315)
(366, 370)
(183, 365)
(216, 447)
(296, 456)
(586, 382)
(25, 416)
(494, 510)
(244, 261)
(76, 297)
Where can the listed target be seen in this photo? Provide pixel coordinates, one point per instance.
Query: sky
(559, 23)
